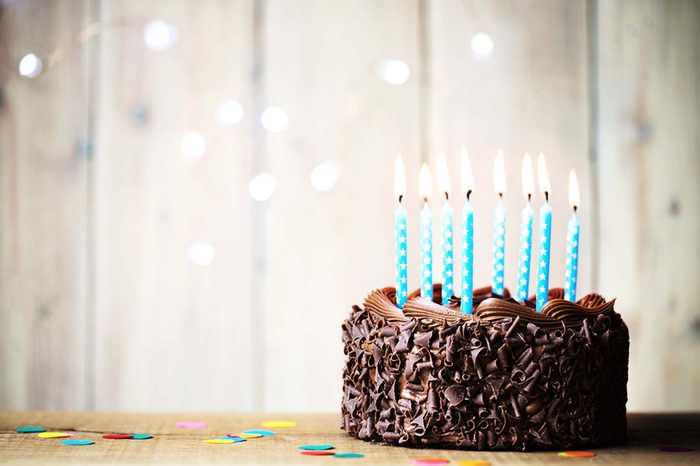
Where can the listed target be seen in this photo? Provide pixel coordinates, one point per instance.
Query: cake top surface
(489, 307)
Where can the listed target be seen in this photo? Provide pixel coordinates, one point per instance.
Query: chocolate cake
(504, 378)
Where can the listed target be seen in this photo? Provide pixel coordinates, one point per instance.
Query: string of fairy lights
(160, 36)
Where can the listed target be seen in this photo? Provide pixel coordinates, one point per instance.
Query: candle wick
(447, 196)
(469, 194)
(575, 208)
(400, 198)
(546, 196)
(529, 197)
(500, 195)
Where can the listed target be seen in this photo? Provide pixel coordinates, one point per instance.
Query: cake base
(430, 377)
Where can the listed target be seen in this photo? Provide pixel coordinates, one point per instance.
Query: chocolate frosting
(504, 378)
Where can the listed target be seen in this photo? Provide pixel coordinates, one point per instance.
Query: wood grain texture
(43, 193)
(328, 250)
(649, 113)
(174, 446)
(170, 332)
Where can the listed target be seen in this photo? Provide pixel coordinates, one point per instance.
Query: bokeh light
(229, 112)
(482, 46)
(201, 253)
(394, 72)
(325, 175)
(274, 119)
(159, 35)
(30, 66)
(193, 146)
(262, 186)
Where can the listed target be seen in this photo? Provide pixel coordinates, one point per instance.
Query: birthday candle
(527, 217)
(499, 227)
(572, 240)
(545, 236)
(467, 302)
(425, 187)
(400, 220)
(446, 229)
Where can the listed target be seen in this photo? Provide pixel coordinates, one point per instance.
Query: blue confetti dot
(29, 429)
(77, 442)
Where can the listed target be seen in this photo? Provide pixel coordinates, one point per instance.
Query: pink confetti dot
(191, 425)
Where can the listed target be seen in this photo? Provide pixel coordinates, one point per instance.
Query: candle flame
(543, 176)
(528, 177)
(467, 175)
(425, 183)
(399, 178)
(443, 177)
(499, 174)
(574, 195)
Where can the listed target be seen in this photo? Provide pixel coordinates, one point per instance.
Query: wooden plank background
(100, 307)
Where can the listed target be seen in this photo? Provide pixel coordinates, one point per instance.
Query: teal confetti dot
(264, 433)
(316, 447)
(29, 429)
(77, 442)
(234, 438)
(349, 455)
(141, 436)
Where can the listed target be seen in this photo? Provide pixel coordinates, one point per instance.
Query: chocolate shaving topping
(504, 378)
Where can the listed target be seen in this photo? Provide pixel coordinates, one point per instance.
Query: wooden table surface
(173, 446)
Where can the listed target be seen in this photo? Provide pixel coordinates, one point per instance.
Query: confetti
(349, 455)
(117, 436)
(577, 454)
(244, 435)
(235, 438)
(431, 461)
(316, 453)
(191, 425)
(279, 424)
(77, 443)
(53, 435)
(29, 429)
(219, 441)
(141, 436)
(474, 463)
(676, 449)
(264, 433)
(316, 447)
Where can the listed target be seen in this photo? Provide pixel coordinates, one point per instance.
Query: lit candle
(467, 236)
(446, 229)
(425, 188)
(572, 240)
(545, 236)
(400, 219)
(527, 217)
(499, 226)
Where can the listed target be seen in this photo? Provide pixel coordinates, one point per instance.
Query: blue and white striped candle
(526, 224)
(467, 301)
(572, 240)
(425, 187)
(446, 229)
(400, 235)
(545, 236)
(499, 227)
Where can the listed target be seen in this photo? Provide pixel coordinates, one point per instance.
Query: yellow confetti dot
(279, 424)
(218, 441)
(474, 463)
(53, 435)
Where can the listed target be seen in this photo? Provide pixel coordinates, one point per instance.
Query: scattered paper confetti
(431, 461)
(577, 454)
(77, 443)
(117, 436)
(191, 425)
(279, 424)
(219, 441)
(53, 435)
(474, 463)
(29, 429)
(316, 453)
(264, 433)
(236, 438)
(671, 449)
(316, 447)
(141, 436)
(349, 455)
(244, 435)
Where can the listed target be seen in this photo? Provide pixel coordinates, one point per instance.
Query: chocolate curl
(423, 339)
(402, 345)
(387, 332)
(513, 326)
(391, 437)
(504, 356)
(454, 395)
(587, 332)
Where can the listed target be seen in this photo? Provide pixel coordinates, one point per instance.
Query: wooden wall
(100, 306)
